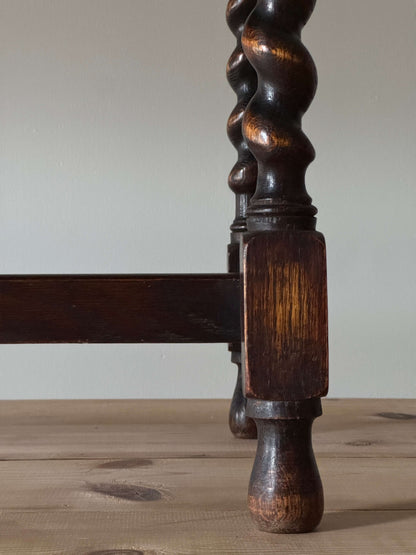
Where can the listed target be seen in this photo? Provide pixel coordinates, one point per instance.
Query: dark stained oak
(240, 424)
(287, 82)
(120, 309)
(293, 500)
(243, 80)
(285, 316)
(283, 261)
(242, 181)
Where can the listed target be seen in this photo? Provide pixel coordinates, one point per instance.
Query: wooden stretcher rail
(127, 308)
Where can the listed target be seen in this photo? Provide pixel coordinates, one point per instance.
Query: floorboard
(166, 477)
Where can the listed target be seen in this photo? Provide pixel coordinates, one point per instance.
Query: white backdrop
(114, 158)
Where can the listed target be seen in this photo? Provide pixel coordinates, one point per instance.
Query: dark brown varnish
(242, 181)
(284, 302)
(240, 424)
(243, 80)
(120, 309)
(287, 82)
(293, 502)
(285, 316)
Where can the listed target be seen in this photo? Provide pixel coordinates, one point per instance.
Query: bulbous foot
(285, 492)
(241, 425)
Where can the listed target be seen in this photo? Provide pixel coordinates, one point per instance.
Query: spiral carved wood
(287, 82)
(242, 181)
(285, 492)
(243, 80)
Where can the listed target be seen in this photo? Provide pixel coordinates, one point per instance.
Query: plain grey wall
(114, 159)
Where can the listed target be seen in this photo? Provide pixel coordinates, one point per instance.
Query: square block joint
(285, 315)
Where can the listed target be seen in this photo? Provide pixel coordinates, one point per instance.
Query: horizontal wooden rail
(120, 308)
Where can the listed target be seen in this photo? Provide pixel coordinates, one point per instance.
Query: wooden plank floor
(166, 477)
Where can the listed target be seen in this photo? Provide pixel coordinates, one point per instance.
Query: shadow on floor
(379, 514)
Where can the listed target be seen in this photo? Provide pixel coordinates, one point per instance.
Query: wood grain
(200, 532)
(285, 316)
(243, 80)
(191, 428)
(242, 181)
(187, 484)
(120, 309)
(284, 307)
(124, 503)
(287, 81)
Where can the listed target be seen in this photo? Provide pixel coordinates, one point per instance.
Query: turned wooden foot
(285, 492)
(283, 262)
(241, 425)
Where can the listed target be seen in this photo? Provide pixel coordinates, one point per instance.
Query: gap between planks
(60, 498)
(71, 430)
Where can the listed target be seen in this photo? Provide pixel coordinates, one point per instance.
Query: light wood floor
(166, 477)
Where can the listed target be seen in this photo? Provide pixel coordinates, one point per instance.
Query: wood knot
(125, 463)
(397, 415)
(360, 443)
(119, 552)
(128, 492)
